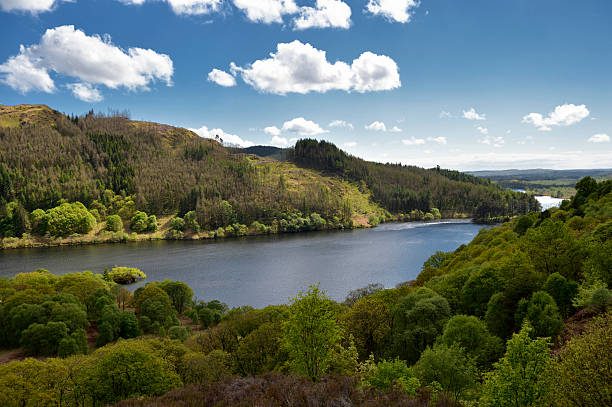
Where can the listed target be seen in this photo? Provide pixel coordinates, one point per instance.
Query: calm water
(264, 270)
(548, 202)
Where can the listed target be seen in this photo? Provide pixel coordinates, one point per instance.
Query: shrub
(114, 223)
(126, 275)
(177, 224)
(68, 219)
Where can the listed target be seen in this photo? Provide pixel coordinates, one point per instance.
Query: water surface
(264, 270)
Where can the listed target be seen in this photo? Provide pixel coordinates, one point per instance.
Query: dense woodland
(400, 188)
(521, 316)
(48, 159)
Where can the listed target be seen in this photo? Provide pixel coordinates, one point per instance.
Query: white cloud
(225, 138)
(341, 123)
(473, 115)
(186, 7)
(393, 10)
(279, 141)
(266, 11)
(301, 68)
(29, 6)
(445, 115)
(85, 92)
(395, 129)
(272, 131)
(492, 141)
(326, 13)
(563, 115)
(414, 141)
(439, 140)
(483, 130)
(221, 78)
(24, 74)
(376, 126)
(302, 127)
(350, 144)
(90, 59)
(599, 138)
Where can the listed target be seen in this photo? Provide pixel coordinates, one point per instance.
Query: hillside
(48, 158)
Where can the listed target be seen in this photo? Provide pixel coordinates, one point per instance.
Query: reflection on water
(548, 202)
(264, 270)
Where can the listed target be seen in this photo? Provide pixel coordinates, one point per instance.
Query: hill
(110, 163)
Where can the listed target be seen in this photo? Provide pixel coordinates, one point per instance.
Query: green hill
(108, 162)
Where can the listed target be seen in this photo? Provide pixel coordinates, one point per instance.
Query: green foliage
(479, 288)
(260, 351)
(369, 322)
(594, 296)
(126, 275)
(386, 375)
(521, 377)
(542, 314)
(67, 219)
(179, 332)
(562, 291)
(418, 319)
(114, 223)
(311, 333)
(178, 224)
(191, 222)
(200, 368)
(581, 376)
(449, 366)
(180, 294)
(124, 371)
(39, 339)
(471, 334)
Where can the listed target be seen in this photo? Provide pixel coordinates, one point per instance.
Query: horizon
(470, 87)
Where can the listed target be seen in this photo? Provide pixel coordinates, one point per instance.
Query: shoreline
(104, 237)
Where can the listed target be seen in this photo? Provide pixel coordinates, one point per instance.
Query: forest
(62, 178)
(520, 316)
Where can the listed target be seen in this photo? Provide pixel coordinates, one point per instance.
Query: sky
(467, 85)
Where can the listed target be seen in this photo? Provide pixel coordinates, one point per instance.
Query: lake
(264, 270)
(548, 202)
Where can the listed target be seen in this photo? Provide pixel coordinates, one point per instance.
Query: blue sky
(461, 84)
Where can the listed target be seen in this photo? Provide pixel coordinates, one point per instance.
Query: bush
(68, 219)
(179, 332)
(177, 224)
(594, 296)
(386, 375)
(126, 275)
(114, 223)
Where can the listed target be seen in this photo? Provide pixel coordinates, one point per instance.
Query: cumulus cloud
(412, 141)
(341, 123)
(393, 10)
(350, 144)
(266, 11)
(483, 130)
(395, 129)
(221, 78)
(563, 115)
(272, 131)
(302, 127)
(599, 138)
(472, 114)
(376, 126)
(445, 115)
(85, 92)
(29, 6)
(92, 60)
(223, 137)
(301, 68)
(186, 7)
(279, 141)
(439, 140)
(326, 13)
(492, 141)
